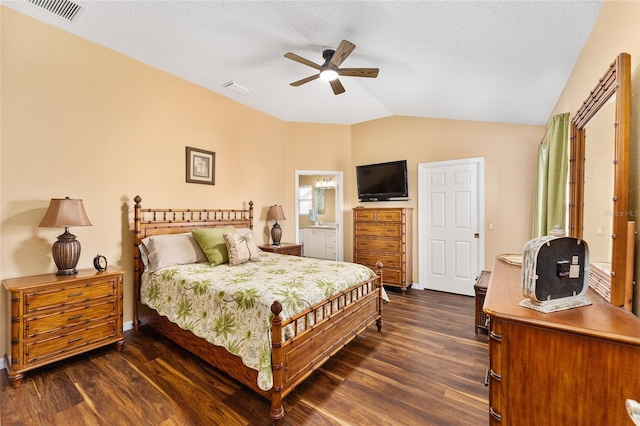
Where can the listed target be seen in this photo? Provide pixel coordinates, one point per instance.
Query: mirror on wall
(599, 182)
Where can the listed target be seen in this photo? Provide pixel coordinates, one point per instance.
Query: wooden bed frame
(292, 360)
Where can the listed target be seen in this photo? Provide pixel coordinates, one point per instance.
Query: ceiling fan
(330, 70)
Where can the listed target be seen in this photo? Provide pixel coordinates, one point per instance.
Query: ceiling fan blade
(344, 49)
(336, 86)
(305, 80)
(301, 60)
(359, 72)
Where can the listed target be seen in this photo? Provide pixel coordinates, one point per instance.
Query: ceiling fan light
(328, 74)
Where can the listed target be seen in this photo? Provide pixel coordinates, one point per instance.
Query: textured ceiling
(496, 61)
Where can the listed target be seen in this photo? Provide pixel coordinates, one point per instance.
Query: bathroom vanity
(319, 241)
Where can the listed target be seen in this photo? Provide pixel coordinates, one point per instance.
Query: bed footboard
(318, 333)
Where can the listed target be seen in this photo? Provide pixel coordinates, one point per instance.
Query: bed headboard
(148, 222)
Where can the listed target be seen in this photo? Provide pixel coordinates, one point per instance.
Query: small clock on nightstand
(100, 263)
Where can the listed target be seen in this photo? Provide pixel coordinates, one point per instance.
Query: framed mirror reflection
(599, 183)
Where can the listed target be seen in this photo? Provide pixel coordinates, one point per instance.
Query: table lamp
(66, 251)
(276, 213)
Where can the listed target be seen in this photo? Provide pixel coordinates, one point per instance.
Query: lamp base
(276, 234)
(66, 253)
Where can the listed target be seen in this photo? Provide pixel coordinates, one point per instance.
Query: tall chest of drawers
(384, 234)
(54, 317)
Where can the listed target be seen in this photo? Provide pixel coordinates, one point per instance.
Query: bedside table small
(53, 317)
(284, 248)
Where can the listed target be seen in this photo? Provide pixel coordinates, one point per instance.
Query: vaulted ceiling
(496, 61)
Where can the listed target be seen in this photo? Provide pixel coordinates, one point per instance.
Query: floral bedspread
(229, 306)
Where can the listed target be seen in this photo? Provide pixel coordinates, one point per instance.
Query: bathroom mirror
(599, 182)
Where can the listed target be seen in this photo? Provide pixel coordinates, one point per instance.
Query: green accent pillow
(211, 241)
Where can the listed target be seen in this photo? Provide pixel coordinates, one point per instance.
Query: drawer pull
(495, 415)
(495, 375)
(74, 340)
(495, 336)
(75, 317)
(80, 293)
(486, 377)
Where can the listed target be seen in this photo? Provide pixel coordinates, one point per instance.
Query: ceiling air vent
(62, 8)
(235, 87)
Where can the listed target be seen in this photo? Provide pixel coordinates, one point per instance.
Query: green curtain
(550, 202)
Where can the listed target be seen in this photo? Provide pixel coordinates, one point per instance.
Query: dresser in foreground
(572, 367)
(54, 317)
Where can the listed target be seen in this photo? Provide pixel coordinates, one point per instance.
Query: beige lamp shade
(65, 212)
(276, 213)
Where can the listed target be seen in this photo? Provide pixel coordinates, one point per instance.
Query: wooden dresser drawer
(45, 298)
(94, 333)
(49, 322)
(391, 276)
(393, 230)
(381, 215)
(371, 258)
(377, 244)
(361, 215)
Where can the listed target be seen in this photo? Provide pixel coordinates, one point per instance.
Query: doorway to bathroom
(318, 213)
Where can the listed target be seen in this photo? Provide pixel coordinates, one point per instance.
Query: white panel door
(449, 225)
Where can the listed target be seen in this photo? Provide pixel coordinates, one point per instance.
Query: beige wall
(82, 121)
(617, 30)
(323, 147)
(509, 153)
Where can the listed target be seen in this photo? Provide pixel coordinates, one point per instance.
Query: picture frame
(201, 166)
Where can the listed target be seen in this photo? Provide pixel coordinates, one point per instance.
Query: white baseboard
(125, 327)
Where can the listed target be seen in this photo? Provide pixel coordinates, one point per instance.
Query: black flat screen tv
(382, 181)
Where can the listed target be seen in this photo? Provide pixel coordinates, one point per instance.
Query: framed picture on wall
(201, 166)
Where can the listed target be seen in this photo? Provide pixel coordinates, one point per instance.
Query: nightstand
(53, 317)
(480, 287)
(284, 248)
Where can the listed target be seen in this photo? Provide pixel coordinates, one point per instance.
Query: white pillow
(241, 247)
(170, 250)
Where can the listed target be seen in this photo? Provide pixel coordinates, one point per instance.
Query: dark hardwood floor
(426, 367)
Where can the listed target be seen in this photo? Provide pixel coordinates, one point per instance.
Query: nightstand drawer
(52, 297)
(57, 346)
(46, 323)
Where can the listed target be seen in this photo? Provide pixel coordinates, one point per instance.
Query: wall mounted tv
(382, 181)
